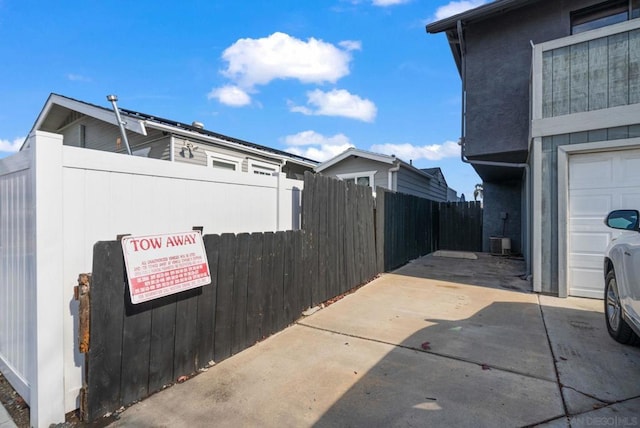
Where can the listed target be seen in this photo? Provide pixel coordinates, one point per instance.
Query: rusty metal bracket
(82, 294)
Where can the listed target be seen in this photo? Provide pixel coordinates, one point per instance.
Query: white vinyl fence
(57, 201)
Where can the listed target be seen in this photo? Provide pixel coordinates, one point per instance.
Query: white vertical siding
(17, 253)
(582, 74)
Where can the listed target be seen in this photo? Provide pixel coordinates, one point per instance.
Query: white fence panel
(57, 202)
(16, 269)
(108, 194)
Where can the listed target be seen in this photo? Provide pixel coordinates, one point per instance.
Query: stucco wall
(498, 69)
(501, 198)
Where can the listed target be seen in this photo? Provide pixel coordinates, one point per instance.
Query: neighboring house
(551, 123)
(374, 169)
(94, 127)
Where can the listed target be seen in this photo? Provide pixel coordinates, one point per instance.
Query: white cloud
(230, 95)
(11, 146)
(337, 102)
(78, 78)
(408, 152)
(385, 3)
(253, 62)
(351, 45)
(456, 7)
(316, 146)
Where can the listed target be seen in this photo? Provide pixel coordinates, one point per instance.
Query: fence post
(47, 391)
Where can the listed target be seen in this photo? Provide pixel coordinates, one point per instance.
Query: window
(365, 178)
(262, 168)
(604, 14)
(220, 161)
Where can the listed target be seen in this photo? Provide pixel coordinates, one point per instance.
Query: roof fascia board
(99, 113)
(475, 14)
(355, 152)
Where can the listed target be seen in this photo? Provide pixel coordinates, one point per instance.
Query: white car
(622, 278)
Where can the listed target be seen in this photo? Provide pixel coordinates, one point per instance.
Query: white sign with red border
(160, 265)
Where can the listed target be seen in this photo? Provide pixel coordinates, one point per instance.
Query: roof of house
(388, 159)
(477, 14)
(138, 122)
(436, 172)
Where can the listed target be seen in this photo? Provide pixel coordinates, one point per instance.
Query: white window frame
(211, 156)
(354, 176)
(262, 165)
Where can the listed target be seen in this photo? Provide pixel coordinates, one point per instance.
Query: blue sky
(310, 77)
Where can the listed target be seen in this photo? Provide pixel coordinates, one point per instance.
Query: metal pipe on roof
(123, 132)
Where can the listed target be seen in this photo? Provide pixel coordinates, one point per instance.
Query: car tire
(616, 325)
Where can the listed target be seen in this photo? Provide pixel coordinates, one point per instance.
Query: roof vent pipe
(197, 124)
(123, 132)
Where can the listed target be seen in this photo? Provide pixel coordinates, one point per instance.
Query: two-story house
(551, 123)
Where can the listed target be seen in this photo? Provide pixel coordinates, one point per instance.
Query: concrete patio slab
(500, 328)
(588, 360)
(309, 377)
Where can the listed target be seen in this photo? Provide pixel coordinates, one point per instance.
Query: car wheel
(616, 325)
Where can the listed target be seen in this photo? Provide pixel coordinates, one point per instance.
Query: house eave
(101, 113)
(476, 14)
(355, 152)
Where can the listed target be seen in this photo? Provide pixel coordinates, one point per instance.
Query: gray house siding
(99, 135)
(405, 180)
(498, 69)
(411, 183)
(104, 136)
(353, 165)
(549, 223)
(573, 80)
(497, 76)
(592, 75)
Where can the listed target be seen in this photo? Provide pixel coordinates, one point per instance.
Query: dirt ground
(15, 405)
(19, 410)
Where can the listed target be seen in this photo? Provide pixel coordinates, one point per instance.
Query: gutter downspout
(525, 166)
(123, 132)
(393, 169)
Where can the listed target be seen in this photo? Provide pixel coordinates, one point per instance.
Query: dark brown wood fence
(407, 227)
(460, 226)
(338, 220)
(261, 282)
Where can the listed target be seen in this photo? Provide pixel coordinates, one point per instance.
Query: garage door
(598, 183)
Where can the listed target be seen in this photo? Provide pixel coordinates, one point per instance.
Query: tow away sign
(160, 265)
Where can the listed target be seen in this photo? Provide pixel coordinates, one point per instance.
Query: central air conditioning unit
(500, 246)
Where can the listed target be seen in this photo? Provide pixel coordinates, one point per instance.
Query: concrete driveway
(440, 342)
